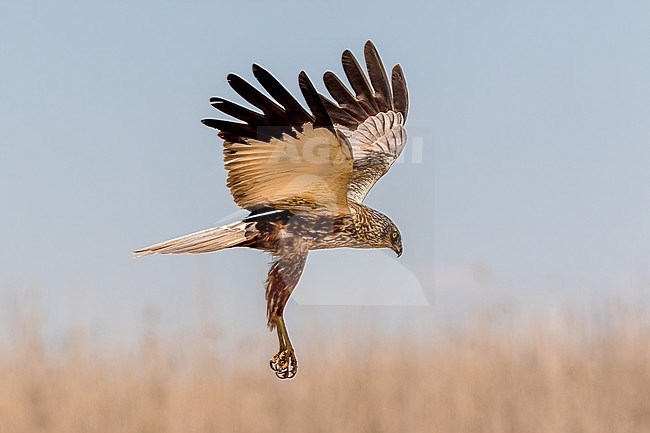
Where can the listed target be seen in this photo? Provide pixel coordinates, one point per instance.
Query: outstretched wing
(283, 157)
(372, 119)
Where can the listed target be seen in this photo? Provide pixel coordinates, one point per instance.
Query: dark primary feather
(372, 119)
(363, 110)
(378, 77)
(237, 111)
(314, 102)
(338, 115)
(274, 114)
(281, 115)
(294, 110)
(232, 131)
(342, 95)
(267, 154)
(371, 97)
(400, 92)
(359, 82)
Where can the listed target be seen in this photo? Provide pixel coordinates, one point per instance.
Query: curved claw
(276, 362)
(284, 364)
(289, 374)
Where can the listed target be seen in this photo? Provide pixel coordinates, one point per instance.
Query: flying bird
(303, 174)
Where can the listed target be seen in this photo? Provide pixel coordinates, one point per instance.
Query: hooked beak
(397, 249)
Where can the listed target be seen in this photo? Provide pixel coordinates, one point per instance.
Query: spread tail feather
(205, 241)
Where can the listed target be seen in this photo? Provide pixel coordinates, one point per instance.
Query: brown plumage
(303, 174)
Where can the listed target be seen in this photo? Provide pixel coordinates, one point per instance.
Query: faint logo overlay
(359, 277)
(345, 276)
(318, 150)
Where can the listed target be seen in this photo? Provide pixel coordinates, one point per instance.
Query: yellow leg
(284, 363)
(274, 362)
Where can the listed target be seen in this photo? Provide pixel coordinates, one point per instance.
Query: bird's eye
(393, 235)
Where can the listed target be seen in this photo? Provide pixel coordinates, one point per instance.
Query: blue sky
(534, 181)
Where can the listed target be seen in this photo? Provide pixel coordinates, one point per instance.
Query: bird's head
(395, 239)
(381, 231)
(390, 235)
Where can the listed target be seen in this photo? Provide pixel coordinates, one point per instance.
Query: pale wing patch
(307, 173)
(383, 133)
(376, 144)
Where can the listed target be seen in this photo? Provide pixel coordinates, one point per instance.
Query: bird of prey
(303, 174)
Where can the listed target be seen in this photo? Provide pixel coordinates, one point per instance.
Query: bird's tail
(205, 241)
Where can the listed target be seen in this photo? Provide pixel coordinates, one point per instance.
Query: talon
(284, 361)
(273, 362)
(284, 364)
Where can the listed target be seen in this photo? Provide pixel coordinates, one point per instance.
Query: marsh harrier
(303, 174)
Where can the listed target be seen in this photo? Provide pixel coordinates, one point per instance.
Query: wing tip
(346, 54)
(209, 122)
(304, 80)
(369, 45)
(257, 69)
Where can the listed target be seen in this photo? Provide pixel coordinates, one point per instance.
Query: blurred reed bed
(561, 373)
